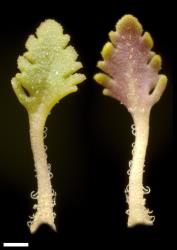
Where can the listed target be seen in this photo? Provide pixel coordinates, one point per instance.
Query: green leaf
(47, 69)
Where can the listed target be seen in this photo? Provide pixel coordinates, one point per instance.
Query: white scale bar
(15, 244)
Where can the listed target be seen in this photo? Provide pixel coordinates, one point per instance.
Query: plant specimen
(132, 78)
(47, 74)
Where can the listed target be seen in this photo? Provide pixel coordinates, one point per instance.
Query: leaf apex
(128, 22)
(49, 22)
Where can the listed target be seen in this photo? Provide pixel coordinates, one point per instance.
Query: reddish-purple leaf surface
(131, 67)
(131, 76)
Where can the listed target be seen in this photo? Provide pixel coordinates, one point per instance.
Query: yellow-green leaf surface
(47, 68)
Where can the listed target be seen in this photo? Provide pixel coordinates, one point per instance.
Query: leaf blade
(126, 61)
(46, 65)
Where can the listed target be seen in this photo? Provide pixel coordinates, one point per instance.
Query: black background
(89, 137)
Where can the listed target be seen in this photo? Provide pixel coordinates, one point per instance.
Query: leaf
(131, 68)
(47, 68)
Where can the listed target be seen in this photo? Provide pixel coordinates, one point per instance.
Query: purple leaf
(131, 76)
(131, 67)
